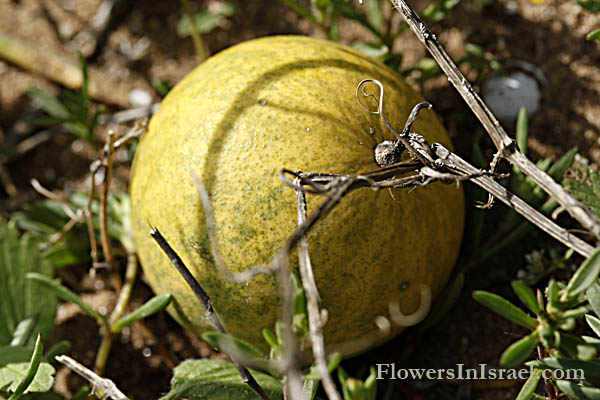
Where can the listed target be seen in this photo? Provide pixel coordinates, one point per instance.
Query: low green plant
(73, 110)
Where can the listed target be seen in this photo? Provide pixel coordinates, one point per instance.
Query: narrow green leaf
(14, 354)
(310, 388)
(587, 369)
(217, 380)
(25, 383)
(237, 349)
(314, 373)
(593, 298)
(505, 308)
(375, 50)
(522, 130)
(152, 306)
(58, 349)
(584, 277)
(519, 351)
(22, 299)
(64, 293)
(530, 385)
(593, 35)
(23, 332)
(594, 323)
(590, 5)
(375, 14)
(270, 337)
(49, 103)
(527, 296)
(559, 168)
(82, 394)
(578, 392)
(575, 347)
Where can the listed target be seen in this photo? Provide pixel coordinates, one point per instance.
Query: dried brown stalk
(62, 69)
(505, 145)
(315, 322)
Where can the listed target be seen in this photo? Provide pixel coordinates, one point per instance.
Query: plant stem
(312, 304)
(119, 310)
(505, 145)
(196, 36)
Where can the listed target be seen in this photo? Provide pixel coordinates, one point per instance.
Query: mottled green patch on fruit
(215, 123)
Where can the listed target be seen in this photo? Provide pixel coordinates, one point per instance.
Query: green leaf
(314, 373)
(578, 392)
(522, 130)
(584, 184)
(593, 298)
(590, 5)
(33, 376)
(594, 323)
(574, 347)
(23, 332)
(591, 369)
(14, 354)
(527, 296)
(584, 277)
(593, 35)
(217, 380)
(205, 20)
(505, 308)
(20, 298)
(374, 50)
(58, 349)
(64, 293)
(238, 349)
(559, 168)
(152, 306)
(49, 103)
(530, 385)
(374, 14)
(519, 351)
(310, 388)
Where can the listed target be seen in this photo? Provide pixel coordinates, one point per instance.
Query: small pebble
(140, 98)
(505, 95)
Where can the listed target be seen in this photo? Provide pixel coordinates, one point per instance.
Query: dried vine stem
(315, 322)
(505, 145)
(280, 265)
(107, 387)
(206, 303)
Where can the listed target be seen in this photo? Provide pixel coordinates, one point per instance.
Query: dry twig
(106, 386)
(505, 145)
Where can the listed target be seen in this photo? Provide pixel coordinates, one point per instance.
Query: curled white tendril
(412, 319)
(361, 89)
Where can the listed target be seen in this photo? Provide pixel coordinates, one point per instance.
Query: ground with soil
(550, 35)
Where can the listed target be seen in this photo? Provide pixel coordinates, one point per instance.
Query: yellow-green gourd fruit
(236, 121)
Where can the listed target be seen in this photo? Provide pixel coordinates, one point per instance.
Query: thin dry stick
(206, 303)
(107, 164)
(122, 302)
(505, 145)
(94, 168)
(280, 265)
(106, 386)
(455, 162)
(315, 322)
